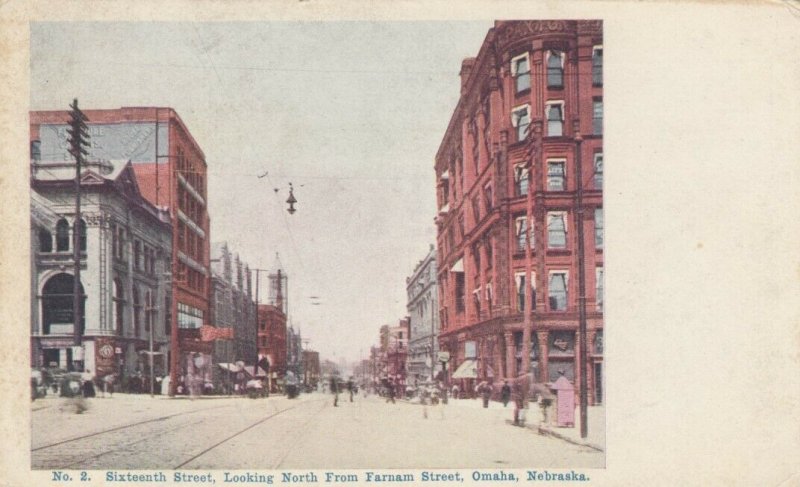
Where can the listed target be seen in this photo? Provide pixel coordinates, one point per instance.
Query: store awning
(230, 367)
(249, 370)
(467, 370)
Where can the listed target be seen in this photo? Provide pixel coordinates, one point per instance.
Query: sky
(351, 113)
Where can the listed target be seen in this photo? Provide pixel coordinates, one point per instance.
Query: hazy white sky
(352, 113)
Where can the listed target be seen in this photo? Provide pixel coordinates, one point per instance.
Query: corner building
(530, 112)
(171, 170)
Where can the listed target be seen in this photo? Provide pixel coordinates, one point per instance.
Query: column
(542, 336)
(510, 372)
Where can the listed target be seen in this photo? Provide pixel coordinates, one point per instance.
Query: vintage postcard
(308, 243)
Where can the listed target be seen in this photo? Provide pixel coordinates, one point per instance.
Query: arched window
(57, 305)
(118, 309)
(137, 312)
(81, 224)
(45, 240)
(62, 235)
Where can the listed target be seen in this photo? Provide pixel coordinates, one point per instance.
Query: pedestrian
(88, 384)
(455, 391)
(350, 388)
(335, 391)
(391, 392)
(486, 393)
(505, 393)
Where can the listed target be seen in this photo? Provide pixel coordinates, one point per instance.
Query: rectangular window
(487, 193)
(597, 117)
(557, 291)
(521, 179)
(137, 255)
(599, 288)
(555, 69)
(519, 280)
(521, 232)
(598, 228)
(460, 290)
(521, 119)
(476, 210)
(556, 177)
(554, 113)
(598, 170)
(557, 230)
(597, 65)
(521, 71)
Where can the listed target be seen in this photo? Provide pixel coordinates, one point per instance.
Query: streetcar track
(297, 440)
(225, 440)
(129, 445)
(125, 426)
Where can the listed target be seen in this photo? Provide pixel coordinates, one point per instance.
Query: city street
(139, 432)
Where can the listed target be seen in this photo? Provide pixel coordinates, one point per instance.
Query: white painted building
(125, 254)
(422, 310)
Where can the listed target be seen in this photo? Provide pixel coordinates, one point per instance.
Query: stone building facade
(125, 251)
(423, 312)
(232, 306)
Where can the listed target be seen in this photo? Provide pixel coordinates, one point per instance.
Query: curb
(545, 431)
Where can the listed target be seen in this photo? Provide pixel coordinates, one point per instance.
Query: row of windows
(555, 61)
(557, 293)
(554, 116)
(144, 311)
(63, 239)
(556, 175)
(189, 316)
(191, 171)
(556, 230)
(557, 288)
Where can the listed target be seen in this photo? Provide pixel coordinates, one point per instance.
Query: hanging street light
(291, 200)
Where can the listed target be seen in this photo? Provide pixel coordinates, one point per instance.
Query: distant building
(396, 352)
(513, 132)
(423, 312)
(272, 341)
(125, 246)
(232, 306)
(311, 368)
(294, 352)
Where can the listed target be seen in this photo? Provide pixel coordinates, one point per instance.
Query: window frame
(550, 275)
(519, 245)
(597, 68)
(517, 75)
(597, 122)
(563, 163)
(562, 58)
(515, 121)
(547, 108)
(597, 175)
(520, 299)
(524, 175)
(598, 243)
(565, 218)
(599, 288)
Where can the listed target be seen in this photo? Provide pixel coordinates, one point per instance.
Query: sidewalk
(596, 431)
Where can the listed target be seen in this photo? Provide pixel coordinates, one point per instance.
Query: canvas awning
(249, 370)
(467, 370)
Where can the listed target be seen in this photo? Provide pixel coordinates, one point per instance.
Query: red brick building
(530, 111)
(170, 169)
(272, 338)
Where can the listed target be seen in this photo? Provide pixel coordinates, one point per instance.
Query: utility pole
(527, 321)
(78, 141)
(581, 280)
